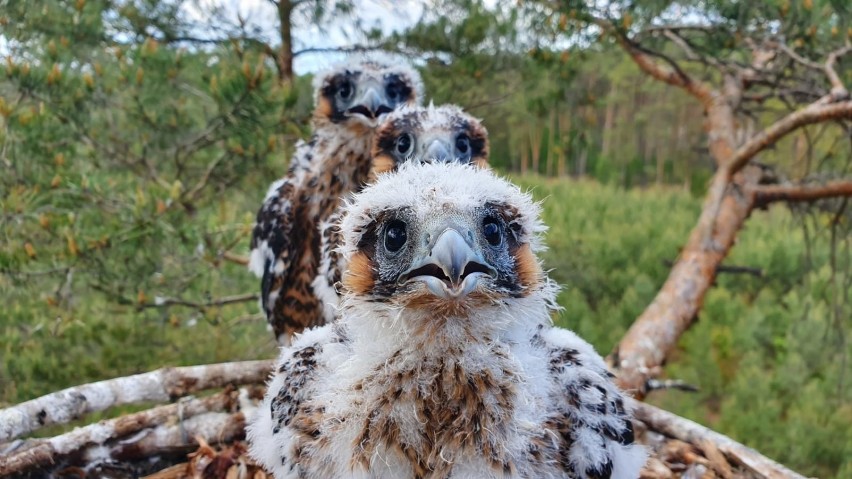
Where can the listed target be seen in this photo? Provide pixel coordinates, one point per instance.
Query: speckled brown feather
(291, 220)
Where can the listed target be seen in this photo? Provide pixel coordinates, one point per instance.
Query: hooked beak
(437, 151)
(371, 105)
(452, 268)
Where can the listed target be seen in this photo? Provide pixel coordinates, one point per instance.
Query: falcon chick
(285, 246)
(409, 134)
(444, 361)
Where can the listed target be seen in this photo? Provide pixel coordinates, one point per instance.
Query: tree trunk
(525, 158)
(562, 151)
(284, 56)
(535, 146)
(609, 122)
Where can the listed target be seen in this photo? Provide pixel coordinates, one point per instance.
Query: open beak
(371, 105)
(452, 268)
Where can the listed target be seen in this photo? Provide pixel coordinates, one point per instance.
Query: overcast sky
(388, 15)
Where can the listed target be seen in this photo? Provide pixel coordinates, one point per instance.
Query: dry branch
(671, 74)
(161, 302)
(838, 90)
(645, 346)
(235, 258)
(157, 386)
(48, 451)
(730, 199)
(816, 112)
(685, 430)
(801, 193)
(724, 268)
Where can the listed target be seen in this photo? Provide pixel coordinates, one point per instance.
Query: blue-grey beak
(437, 151)
(452, 268)
(371, 104)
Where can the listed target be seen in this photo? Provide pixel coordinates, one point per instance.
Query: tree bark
(693, 433)
(284, 55)
(802, 193)
(156, 386)
(49, 451)
(730, 199)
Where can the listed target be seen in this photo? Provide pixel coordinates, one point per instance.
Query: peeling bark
(162, 385)
(708, 441)
(49, 451)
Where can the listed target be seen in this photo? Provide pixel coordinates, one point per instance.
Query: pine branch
(161, 302)
(766, 194)
(817, 112)
(156, 386)
(45, 452)
(688, 431)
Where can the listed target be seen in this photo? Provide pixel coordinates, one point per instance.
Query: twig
(161, 302)
(723, 268)
(685, 430)
(235, 258)
(156, 386)
(673, 76)
(658, 384)
(192, 194)
(838, 90)
(352, 49)
(795, 56)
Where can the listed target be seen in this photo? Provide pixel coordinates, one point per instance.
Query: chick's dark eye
(395, 236)
(394, 91)
(462, 143)
(491, 231)
(344, 91)
(404, 144)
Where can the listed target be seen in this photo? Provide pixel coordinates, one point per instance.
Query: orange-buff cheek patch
(382, 164)
(359, 278)
(529, 270)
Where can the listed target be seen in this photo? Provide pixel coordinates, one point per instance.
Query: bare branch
(657, 384)
(352, 49)
(838, 89)
(156, 386)
(683, 27)
(235, 258)
(723, 268)
(685, 430)
(673, 74)
(193, 193)
(679, 41)
(161, 302)
(816, 112)
(801, 193)
(46, 452)
(795, 56)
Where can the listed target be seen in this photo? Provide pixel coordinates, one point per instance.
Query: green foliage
(769, 354)
(134, 163)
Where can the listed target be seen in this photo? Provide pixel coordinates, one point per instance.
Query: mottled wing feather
(289, 417)
(332, 264)
(591, 422)
(272, 245)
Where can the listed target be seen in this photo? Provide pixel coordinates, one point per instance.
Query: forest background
(137, 139)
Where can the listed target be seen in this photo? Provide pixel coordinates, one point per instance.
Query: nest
(204, 437)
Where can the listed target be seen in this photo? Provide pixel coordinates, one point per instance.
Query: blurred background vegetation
(137, 138)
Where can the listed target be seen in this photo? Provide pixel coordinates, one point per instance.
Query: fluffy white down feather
(325, 368)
